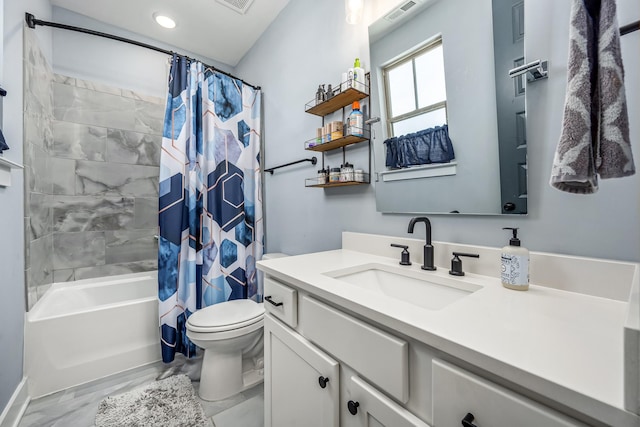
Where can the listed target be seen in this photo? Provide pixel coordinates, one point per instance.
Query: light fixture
(164, 21)
(353, 11)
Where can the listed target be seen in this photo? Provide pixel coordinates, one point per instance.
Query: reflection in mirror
(436, 66)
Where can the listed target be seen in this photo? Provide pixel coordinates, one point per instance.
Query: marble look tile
(77, 406)
(133, 147)
(78, 141)
(218, 406)
(40, 269)
(65, 275)
(114, 269)
(37, 130)
(249, 413)
(149, 117)
(37, 76)
(98, 87)
(28, 237)
(42, 289)
(116, 179)
(39, 169)
(39, 214)
(91, 213)
(128, 246)
(32, 295)
(146, 213)
(142, 97)
(59, 78)
(63, 176)
(85, 106)
(83, 249)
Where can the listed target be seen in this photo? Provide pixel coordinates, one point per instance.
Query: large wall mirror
(476, 43)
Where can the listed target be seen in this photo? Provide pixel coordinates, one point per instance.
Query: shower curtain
(210, 208)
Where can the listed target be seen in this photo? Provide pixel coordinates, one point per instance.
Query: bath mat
(169, 402)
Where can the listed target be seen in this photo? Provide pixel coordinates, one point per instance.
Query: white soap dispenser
(515, 264)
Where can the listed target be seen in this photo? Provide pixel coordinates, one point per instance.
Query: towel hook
(536, 70)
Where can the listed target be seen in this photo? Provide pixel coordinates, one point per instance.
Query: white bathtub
(88, 329)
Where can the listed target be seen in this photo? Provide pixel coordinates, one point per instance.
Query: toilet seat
(227, 316)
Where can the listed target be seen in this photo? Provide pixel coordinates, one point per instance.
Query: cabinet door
(373, 409)
(457, 393)
(301, 382)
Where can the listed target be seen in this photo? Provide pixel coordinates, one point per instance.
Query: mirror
(485, 108)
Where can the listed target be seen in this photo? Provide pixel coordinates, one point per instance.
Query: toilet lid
(227, 314)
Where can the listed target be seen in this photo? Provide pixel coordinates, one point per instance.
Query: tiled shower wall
(94, 197)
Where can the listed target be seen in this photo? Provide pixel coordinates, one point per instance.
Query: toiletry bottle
(515, 264)
(321, 95)
(356, 120)
(358, 75)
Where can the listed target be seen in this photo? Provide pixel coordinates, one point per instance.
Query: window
(415, 91)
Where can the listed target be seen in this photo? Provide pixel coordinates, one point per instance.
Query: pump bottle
(515, 264)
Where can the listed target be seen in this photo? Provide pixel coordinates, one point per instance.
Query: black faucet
(428, 248)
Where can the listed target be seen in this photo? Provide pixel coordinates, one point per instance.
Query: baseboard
(12, 413)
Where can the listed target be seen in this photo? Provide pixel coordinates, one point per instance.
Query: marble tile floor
(77, 406)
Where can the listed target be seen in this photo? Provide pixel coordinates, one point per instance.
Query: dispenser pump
(356, 63)
(514, 240)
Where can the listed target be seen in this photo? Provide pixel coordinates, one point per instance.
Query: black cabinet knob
(467, 421)
(323, 381)
(353, 407)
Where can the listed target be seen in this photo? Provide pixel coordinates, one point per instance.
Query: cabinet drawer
(372, 408)
(281, 301)
(381, 358)
(457, 392)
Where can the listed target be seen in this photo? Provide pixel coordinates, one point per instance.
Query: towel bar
(536, 70)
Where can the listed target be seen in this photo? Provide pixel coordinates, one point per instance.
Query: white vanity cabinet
(325, 367)
(460, 395)
(301, 382)
(303, 367)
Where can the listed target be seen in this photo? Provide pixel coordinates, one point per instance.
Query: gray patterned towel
(595, 127)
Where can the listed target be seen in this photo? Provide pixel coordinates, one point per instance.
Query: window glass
(427, 120)
(401, 89)
(416, 101)
(430, 77)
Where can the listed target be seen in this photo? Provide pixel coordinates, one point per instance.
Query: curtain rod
(32, 22)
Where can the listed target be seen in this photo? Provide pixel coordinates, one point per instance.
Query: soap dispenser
(515, 264)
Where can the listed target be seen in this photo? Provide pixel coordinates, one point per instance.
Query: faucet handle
(456, 263)
(404, 257)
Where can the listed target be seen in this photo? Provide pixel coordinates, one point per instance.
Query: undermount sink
(419, 288)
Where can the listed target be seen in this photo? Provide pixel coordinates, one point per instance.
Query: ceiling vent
(240, 6)
(401, 10)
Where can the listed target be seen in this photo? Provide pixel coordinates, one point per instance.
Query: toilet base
(222, 376)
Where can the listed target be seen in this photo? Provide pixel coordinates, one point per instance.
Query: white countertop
(565, 346)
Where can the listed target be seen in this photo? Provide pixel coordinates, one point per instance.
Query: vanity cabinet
(301, 382)
(460, 395)
(341, 99)
(329, 367)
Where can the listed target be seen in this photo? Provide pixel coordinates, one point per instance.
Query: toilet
(231, 335)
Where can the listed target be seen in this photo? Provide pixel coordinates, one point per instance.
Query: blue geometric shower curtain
(210, 210)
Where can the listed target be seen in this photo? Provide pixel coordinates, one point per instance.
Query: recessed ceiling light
(164, 21)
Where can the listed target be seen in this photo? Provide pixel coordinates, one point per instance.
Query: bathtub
(88, 329)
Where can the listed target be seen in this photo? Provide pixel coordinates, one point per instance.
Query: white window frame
(437, 41)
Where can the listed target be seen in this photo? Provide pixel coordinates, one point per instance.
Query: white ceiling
(204, 27)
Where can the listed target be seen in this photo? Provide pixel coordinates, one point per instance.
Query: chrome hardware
(536, 70)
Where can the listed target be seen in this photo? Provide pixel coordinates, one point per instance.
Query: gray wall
(310, 43)
(12, 302)
(112, 62)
